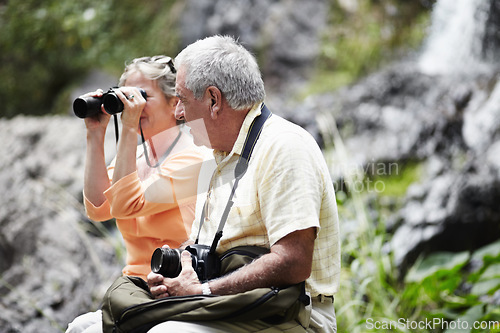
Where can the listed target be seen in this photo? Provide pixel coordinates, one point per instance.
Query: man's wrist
(205, 289)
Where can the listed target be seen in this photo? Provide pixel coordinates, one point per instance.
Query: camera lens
(166, 262)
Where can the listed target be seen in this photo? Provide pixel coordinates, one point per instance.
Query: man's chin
(201, 143)
(199, 133)
(200, 140)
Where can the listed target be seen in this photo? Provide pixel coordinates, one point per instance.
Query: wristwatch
(205, 289)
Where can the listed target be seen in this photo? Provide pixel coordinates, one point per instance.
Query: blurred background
(402, 96)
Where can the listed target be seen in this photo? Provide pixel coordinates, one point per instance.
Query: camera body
(167, 262)
(84, 107)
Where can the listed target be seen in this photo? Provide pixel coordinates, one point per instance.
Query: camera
(84, 107)
(167, 262)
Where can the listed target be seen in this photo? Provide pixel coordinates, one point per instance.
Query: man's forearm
(261, 273)
(288, 263)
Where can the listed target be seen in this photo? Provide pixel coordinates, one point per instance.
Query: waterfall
(455, 41)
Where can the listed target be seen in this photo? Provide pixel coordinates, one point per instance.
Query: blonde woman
(167, 156)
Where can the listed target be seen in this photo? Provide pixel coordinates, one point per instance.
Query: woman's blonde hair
(159, 68)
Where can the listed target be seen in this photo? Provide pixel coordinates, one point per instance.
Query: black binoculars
(84, 107)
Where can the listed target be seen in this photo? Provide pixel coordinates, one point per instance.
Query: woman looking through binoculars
(167, 156)
(117, 191)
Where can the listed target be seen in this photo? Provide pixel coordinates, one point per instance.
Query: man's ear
(215, 97)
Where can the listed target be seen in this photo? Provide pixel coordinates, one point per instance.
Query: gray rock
(285, 33)
(51, 267)
(448, 123)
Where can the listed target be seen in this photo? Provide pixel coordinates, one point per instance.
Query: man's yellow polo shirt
(287, 187)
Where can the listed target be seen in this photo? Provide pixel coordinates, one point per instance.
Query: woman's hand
(133, 104)
(100, 121)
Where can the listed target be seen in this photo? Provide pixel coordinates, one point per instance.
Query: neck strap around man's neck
(241, 168)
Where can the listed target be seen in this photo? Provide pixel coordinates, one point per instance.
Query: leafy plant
(48, 46)
(443, 292)
(457, 288)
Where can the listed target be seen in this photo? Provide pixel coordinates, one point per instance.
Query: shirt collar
(240, 140)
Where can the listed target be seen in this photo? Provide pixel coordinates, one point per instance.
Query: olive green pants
(318, 318)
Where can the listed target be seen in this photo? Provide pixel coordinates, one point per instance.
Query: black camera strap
(241, 168)
(117, 130)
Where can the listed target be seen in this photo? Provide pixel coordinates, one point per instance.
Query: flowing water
(455, 42)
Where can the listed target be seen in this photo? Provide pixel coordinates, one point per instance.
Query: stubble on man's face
(194, 111)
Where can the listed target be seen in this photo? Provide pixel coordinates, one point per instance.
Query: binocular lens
(87, 106)
(112, 103)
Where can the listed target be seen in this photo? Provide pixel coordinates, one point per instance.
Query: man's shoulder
(279, 126)
(284, 133)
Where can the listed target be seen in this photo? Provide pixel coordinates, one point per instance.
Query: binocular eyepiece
(84, 107)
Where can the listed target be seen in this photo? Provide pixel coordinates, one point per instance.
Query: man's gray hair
(222, 62)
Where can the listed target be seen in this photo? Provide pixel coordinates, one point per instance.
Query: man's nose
(179, 111)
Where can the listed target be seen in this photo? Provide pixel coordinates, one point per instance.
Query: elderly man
(284, 202)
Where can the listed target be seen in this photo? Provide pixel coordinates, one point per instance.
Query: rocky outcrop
(286, 33)
(54, 264)
(449, 124)
(442, 110)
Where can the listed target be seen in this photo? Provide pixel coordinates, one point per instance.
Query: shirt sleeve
(100, 213)
(175, 184)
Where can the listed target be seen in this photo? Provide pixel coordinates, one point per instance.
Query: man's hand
(186, 283)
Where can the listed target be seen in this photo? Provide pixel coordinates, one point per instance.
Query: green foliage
(450, 290)
(48, 46)
(364, 36)
(396, 182)
(438, 293)
(436, 264)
